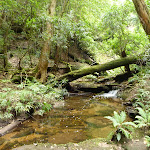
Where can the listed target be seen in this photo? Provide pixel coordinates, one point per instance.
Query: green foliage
(28, 96)
(142, 82)
(143, 96)
(143, 119)
(115, 23)
(122, 128)
(122, 31)
(147, 138)
(69, 31)
(142, 99)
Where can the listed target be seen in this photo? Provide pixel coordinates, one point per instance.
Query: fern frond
(129, 128)
(140, 118)
(130, 124)
(117, 117)
(114, 121)
(126, 133)
(122, 116)
(118, 136)
(140, 104)
(142, 112)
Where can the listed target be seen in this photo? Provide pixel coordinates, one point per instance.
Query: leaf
(147, 138)
(115, 123)
(142, 112)
(122, 116)
(116, 116)
(118, 136)
(130, 124)
(46, 106)
(140, 104)
(140, 118)
(126, 133)
(129, 128)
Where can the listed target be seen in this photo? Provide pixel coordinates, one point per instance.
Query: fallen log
(73, 75)
(11, 126)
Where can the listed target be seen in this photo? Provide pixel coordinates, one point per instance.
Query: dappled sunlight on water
(78, 119)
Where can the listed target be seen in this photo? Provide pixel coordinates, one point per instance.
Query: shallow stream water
(78, 118)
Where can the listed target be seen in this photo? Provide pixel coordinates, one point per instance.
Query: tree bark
(143, 14)
(5, 47)
(123, 54)
(56, 59)
(97, 68)
(43, 61)
(3, 19)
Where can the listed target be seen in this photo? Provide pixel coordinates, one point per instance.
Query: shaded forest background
(57, 33)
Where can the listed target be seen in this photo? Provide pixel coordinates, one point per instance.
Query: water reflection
(78, 119)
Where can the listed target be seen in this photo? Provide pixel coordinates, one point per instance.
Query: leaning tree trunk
(97, 68)
(143, 14)
(43, 61)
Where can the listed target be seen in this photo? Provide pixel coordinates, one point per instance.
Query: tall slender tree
(45, 52)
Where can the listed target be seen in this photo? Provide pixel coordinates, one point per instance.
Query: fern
(29, 96)
(122, 127)
(143, 119)
(147, 138)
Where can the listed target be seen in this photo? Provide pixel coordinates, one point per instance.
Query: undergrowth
(28, 96)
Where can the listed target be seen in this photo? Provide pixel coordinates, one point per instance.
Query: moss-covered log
(97, 68)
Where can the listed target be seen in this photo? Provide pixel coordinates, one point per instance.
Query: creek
(78, 118)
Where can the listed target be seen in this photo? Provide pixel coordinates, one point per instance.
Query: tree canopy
(100, 29)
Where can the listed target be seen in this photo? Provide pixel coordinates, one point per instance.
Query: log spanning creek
(78, 118)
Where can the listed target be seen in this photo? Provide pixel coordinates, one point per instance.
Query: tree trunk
(143, 14)
(97, 68)
(123, 54)
(56, 59)
(5, 47)
(3, 19)
(43, 61)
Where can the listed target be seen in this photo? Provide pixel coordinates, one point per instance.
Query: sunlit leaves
(121, 25)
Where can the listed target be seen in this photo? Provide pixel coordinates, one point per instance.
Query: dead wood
(73, 75)
(11, 126)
